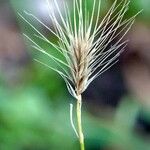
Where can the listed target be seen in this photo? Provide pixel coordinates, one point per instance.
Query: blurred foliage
(141, 5)
(30, 121)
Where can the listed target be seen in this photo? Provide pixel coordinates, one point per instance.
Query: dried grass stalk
(88, 47)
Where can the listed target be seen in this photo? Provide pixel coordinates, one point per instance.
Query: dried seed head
(89, 48)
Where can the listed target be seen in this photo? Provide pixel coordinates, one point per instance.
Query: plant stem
(79, 121)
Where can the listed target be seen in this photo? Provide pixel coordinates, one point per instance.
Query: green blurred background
(34, 102)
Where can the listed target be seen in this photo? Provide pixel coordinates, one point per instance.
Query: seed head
(88, 47)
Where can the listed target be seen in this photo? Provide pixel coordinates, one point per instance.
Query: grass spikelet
(89, 47)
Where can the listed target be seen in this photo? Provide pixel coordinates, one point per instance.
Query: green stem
(79, 121)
